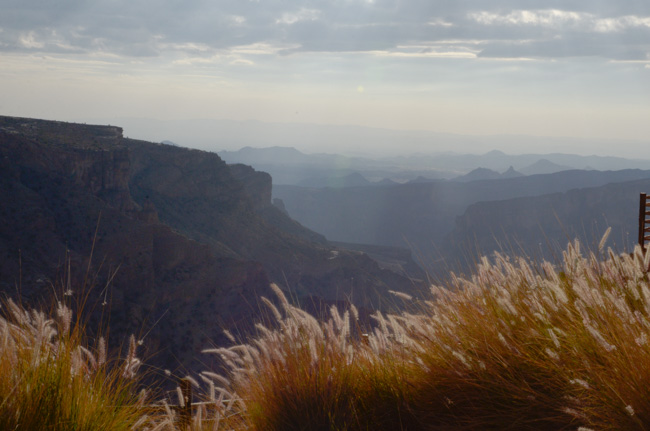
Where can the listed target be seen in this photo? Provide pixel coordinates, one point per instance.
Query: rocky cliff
(177, 243)
(230, 209)
(68, 221)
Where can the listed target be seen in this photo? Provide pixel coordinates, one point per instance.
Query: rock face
(258, 185)
(540, 227)
(66, 197)
(93, 159)
(177, 244)
(230, 209)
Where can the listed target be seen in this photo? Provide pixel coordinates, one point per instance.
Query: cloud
(556, 33)
(238, 19)
(562, 20)
(441, 50)
(29, 41)
(261, 48)
(289, 18)
(439, 22)
(138, 28)
(242, 62)
(620, 24)
(547, 18)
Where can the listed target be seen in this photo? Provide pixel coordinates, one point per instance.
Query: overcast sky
(578, 68)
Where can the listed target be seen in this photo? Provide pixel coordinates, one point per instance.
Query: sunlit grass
(517, 345)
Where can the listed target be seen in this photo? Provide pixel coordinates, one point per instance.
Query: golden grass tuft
(515, 346)
(50, 381)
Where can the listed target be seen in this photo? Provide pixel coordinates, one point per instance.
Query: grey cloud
(565, 47)
(507, 28)
(556, 33)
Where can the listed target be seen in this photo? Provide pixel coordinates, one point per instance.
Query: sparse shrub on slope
(517, 346)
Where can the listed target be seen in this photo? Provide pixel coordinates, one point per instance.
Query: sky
(570, 68)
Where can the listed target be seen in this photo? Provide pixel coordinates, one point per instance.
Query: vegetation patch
(517, 346)
(50, 380)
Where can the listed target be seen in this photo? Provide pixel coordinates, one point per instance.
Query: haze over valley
(306, 177)
(462, 206)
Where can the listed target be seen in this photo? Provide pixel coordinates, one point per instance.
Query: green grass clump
(515, 346)
(50, 381)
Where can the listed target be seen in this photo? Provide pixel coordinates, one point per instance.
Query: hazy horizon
(231, 135)
(573, 75)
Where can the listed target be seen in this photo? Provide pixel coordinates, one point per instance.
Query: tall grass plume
(517, 345)
(49, 379)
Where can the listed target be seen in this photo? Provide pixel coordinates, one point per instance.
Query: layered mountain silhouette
(479, 174)
(354, 179)
(420, 216)
(289, 166)
(543, 166)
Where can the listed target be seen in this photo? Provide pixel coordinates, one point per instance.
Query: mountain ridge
(293, 170)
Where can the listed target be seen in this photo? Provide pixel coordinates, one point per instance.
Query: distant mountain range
(357, 141)
(289, 166)
(479, 174)
(354, 179)
(545, 166)
(420, 201)
(422, 215)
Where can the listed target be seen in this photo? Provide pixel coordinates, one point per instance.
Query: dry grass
(516, 346)
(50, 381)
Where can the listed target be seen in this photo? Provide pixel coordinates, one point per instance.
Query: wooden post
(642, 223)
(185, 411)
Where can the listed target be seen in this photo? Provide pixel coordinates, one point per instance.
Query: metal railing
(644, 221)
